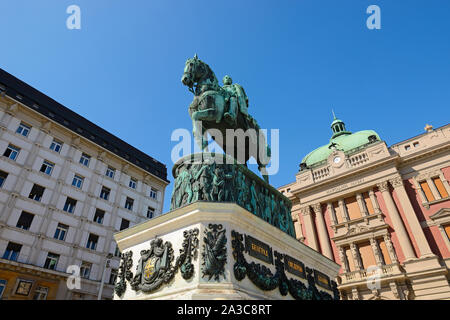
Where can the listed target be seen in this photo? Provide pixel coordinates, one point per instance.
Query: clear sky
(295, 59)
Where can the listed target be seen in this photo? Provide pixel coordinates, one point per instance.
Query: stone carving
(125, 274)
(187, 252)
(214, 252)
(305, 210)
(383, 186)
(154, 267)
(217, 178)
(396, 182)
(218, 108)
(390, 247)
(264, 279)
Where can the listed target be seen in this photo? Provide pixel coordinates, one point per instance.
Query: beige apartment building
(66, 186)
(382, 213)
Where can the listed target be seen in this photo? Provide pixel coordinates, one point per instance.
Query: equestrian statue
(223, 108)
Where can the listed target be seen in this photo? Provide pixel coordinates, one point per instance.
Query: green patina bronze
(216, 109)
(225, 177)
(218, 178)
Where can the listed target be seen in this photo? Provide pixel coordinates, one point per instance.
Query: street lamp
(108, 261)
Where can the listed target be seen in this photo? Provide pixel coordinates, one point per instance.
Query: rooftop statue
(222, 108)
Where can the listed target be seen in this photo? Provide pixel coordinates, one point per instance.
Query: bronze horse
(210, 103)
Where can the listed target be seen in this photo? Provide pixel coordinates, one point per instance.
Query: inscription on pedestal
(322, 280)
(294, 266)
(258, 249)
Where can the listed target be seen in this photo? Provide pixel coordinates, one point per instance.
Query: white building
(66, 185)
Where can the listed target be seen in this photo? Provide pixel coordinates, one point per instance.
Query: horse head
(193, 71)
(197, 72)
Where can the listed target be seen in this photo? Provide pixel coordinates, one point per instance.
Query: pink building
(382, 213)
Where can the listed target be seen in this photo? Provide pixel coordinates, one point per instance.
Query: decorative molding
(125, 274)
(305, 211)
(396, 182)
(214, 252)
(154, 267)
(383, 186)
(187, 253)
(317, 208)
(264, 279)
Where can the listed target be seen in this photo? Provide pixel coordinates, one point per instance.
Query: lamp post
(108, 260)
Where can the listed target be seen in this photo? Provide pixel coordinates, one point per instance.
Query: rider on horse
(237, 99)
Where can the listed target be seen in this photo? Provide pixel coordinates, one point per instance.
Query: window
(440, 187)
(85, 158)
(104, 194)
(61, 232)
(129, 203)
(36, 192)
(426, 189)
(77, 181)
(12, 251)
(99, 215)
(51, 261)
(70, 204)
(153, 193)
(352, 208)
(47, 167)
(56, 145)
(447, 231)
(3, 176)
(85, 269)
(150, 212)
(24, 287)
(124, 224)
(110, 172)
(23, 129)
(92, 241)
(40, 293)
(2, 286)
(12, 152)
(113, 276)
(132, 183)
(117, 251)
(25, 220)
(366, 254)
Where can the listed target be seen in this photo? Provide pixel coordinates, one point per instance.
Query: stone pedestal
(208, 250)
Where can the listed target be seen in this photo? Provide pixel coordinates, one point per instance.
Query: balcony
(362, 277)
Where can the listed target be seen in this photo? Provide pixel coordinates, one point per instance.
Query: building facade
(382, 213)
(66, 186)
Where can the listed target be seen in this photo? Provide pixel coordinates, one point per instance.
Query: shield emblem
(150, 268)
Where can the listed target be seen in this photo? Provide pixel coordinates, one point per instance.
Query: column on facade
(433, 188)
(322, 231)
(397, 222)
(356, 256)
(298, 228)
(376, 251)
(343, 258)
(343, 210)
(330, 209)
(444, 182)
(361, 205)
(411, 217)
(373, 199)
(390, 248)
(309, 226)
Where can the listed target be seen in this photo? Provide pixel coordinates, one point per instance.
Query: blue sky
(296, 60)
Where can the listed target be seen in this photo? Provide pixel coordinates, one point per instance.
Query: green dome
(342, 140)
